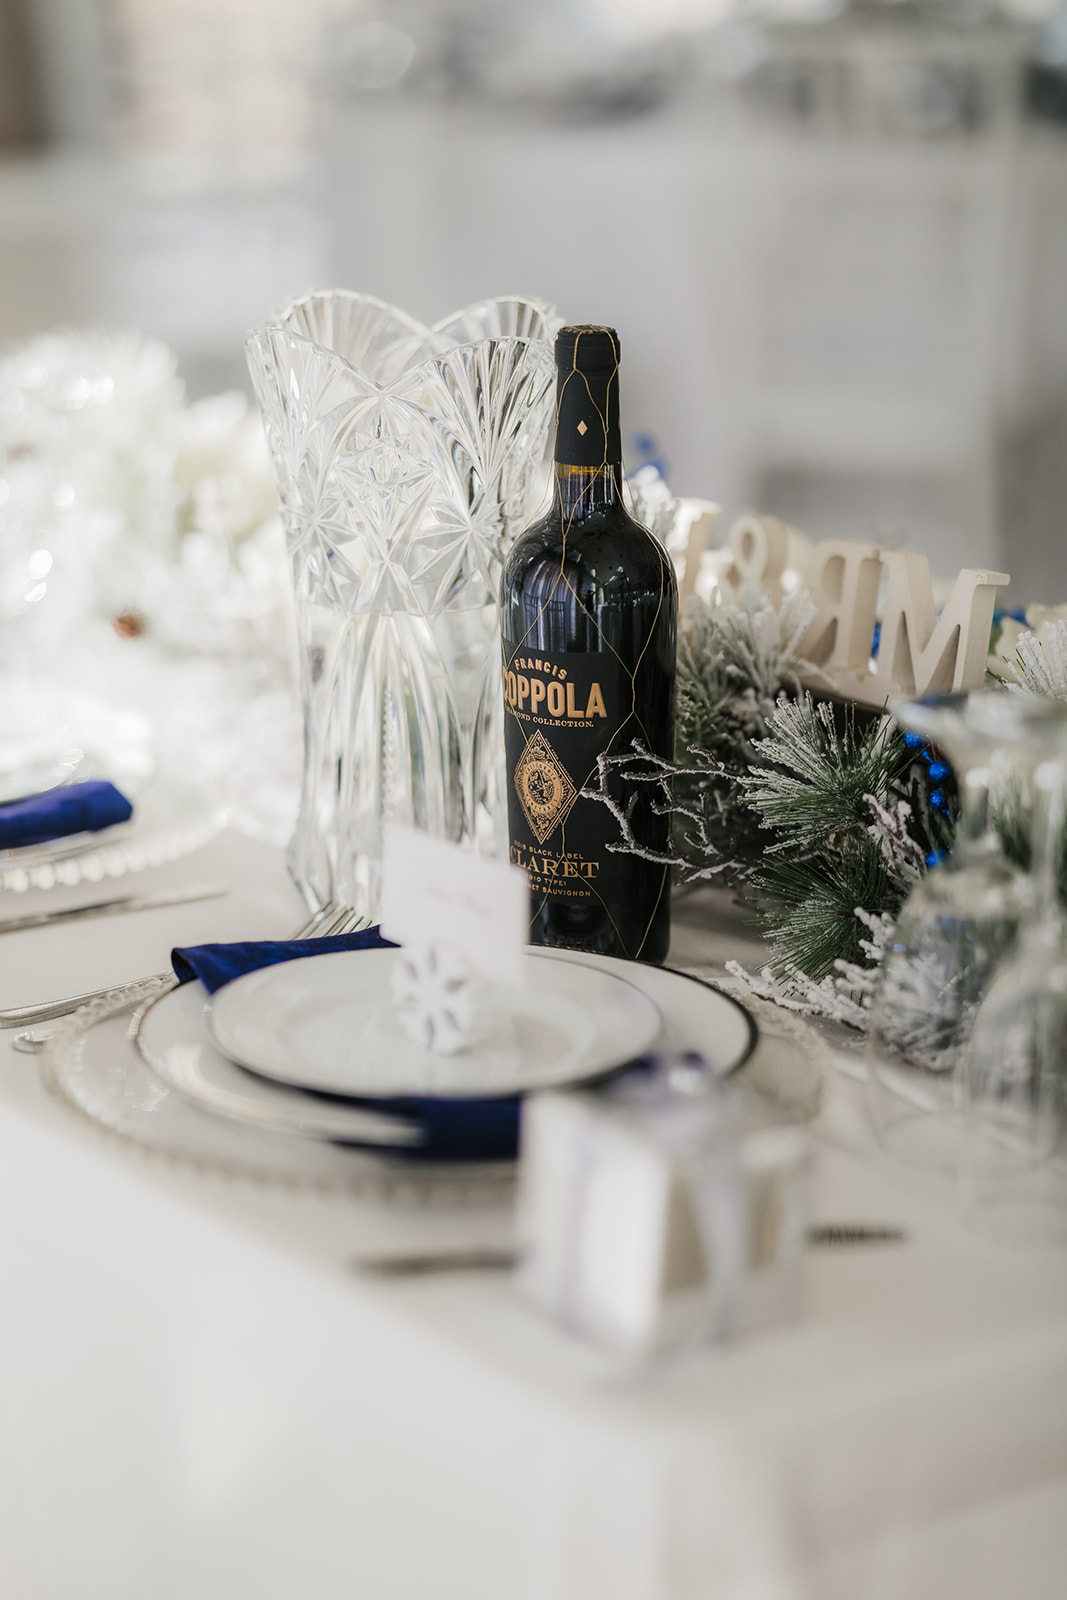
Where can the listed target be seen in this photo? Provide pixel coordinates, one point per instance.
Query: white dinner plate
(329, 1023)
(695, 1015)
(174, 1042)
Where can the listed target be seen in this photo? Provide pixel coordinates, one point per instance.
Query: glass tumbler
(1014, 1167)
(953, 930)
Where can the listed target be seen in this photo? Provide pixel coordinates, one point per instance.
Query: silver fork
(330, 919)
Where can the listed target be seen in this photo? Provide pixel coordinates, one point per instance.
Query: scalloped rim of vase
(280, 321)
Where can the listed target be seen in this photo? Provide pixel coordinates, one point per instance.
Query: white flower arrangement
(122, 502)
(142, 563)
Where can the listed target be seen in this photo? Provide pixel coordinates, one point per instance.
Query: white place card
(434, 892)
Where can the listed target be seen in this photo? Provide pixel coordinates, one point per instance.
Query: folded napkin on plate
(452, 1129)
(74, 808)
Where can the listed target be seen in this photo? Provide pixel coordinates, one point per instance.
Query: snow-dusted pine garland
(824, 817)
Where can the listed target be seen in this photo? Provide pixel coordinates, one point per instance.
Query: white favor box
(610, 1237)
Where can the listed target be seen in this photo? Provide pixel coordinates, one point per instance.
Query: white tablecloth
(199, 1398)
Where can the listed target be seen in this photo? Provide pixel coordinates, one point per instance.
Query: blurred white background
(834, 240)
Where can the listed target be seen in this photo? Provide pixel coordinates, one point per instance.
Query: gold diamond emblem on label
(543, 786)
(582, 429)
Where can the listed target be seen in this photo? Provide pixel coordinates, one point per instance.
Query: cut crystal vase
(406, 460)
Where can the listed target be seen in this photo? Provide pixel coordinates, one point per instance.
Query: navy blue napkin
(452, 1129)
(75, 808)
(218, 964)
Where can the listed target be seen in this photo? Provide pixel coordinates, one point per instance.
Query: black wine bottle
(589, 611)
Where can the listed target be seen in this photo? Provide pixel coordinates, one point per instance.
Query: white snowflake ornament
(435, 993)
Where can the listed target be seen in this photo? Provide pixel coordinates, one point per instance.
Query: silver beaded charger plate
(329, 1024)
(170, 820)
(93, 1065)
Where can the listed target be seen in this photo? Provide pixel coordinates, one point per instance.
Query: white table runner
(197, 1398)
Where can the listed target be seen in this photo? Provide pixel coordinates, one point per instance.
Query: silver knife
(114, 907)
(488, 1258)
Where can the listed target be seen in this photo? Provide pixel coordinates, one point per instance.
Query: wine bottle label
(562, 710)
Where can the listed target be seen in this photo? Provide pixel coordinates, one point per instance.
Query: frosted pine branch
(901, 854)
(845, 998)
(736, 653)
(1040, 665)
(815, 787)
(793, 990)
(638, 766)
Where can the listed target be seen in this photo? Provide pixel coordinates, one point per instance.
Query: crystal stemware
(953, 929)
(1014, 1169)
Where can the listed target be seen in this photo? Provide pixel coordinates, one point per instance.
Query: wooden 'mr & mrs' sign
(919, 652)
